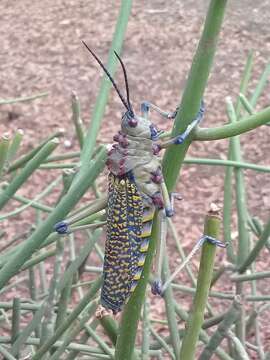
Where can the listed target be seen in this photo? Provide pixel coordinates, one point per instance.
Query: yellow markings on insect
(137, 276)
(144, 247)
(141, 262)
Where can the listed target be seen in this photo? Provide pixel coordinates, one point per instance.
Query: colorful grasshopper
(136, 190)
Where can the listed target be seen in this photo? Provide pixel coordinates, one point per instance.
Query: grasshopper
(136, 190)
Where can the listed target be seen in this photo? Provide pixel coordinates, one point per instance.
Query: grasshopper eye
(132, 122)
(129, 120)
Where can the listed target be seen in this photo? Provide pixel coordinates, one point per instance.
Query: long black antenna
(125, 76)
(126, 104)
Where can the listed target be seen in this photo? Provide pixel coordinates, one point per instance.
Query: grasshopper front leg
(147, 106)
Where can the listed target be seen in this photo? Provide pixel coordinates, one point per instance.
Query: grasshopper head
(138, 126)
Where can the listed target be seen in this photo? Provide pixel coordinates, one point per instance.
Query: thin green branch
(102, 97)
(244, 125)
(79, 186)
(220, 162)
(23, 98)
(257, 248)
(27, 171)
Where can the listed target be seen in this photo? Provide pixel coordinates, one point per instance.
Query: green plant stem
(244, 81)
(194, 90)
(79, 186)
(233, 163)
(196, 317)
(260, 86)
(246, 104)
(227, 322)
(80, 258)
(47, 326)
(34, 204)
(102, 344)
(23, 98)
(74, 331)
(65, 156)
(45, 192)
(20, 162)
(6, 353)
(110, 327)
(214, 294)
(256, 250)
(203, 334)
(76, 118)
(63, 303)
(253, 276)
(162, 343)
(246, 124)
(58, 166)
(173, 159)
(4, 146)
(72, 346)
(145, 331)
(26, 332)
(15, 144)
(27, 171)
(170, 311)
(102, 98)
(227, 209)
(16, 315)
(70, 319)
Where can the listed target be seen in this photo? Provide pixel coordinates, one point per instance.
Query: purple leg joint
(61, 227)
(156, 287)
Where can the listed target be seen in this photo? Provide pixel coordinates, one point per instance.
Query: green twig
(256, 250)
(79, 186)
(76, 118)
(227, 322)
(23, 98)
(4, 146)
(27, 171)
(73, 316)
(244, 125)
(233, 163)
(195, 321)
(15, 144)
(102, 97)
(20, 162)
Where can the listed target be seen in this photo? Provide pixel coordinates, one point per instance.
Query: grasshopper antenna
(126, 79)
(126, 104)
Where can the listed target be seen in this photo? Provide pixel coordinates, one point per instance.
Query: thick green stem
(193, 93)
(196, 317)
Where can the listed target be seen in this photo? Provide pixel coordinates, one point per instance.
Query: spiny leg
(146, 106)
(157, 287)
(162, 287)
